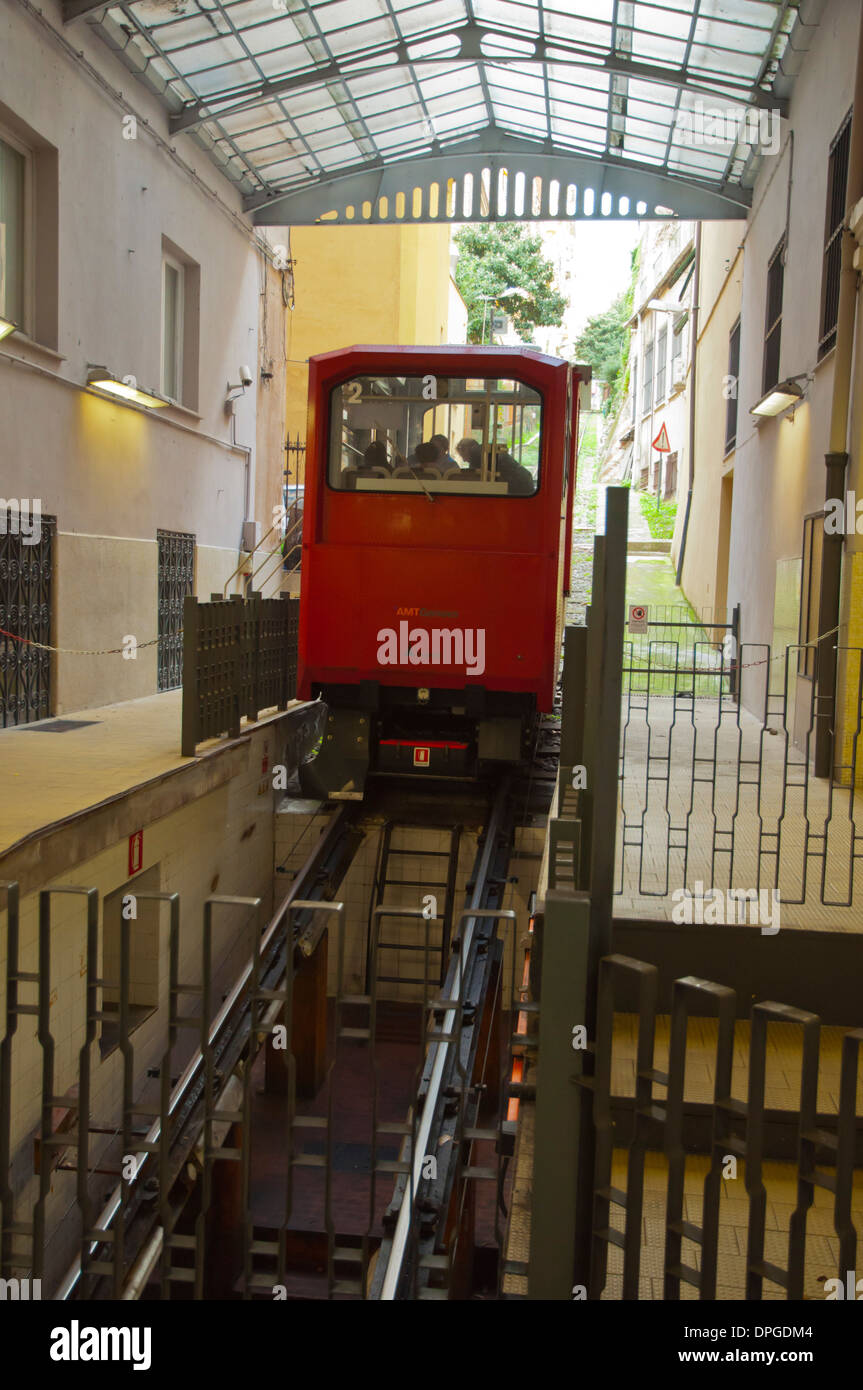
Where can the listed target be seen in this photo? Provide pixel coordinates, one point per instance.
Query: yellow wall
(363, 285)
(849, 743)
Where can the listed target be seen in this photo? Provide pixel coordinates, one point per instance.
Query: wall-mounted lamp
(6, 327)
(780, 397)
(102, 380)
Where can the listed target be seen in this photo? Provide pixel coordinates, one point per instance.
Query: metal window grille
(676, 344)
(773, 316)
(837, 181)
(26, 599)
(176, 580)
(661, 359)
(647, 388)
(733, 372)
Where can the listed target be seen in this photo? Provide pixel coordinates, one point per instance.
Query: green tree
(494, 257)
(604, 342)
(604, 339)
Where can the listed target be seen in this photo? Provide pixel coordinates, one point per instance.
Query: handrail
(195, 1063)
(452, 991)
(296, 526)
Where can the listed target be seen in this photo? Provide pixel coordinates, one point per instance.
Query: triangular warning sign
(661, 443)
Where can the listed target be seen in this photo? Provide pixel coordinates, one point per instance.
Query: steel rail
(459, 970)
(193, 1070)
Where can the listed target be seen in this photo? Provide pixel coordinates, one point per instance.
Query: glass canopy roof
(375, 110)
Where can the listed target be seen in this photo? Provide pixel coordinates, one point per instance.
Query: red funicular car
(438, 508)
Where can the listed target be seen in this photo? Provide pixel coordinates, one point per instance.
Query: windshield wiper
(422, 484)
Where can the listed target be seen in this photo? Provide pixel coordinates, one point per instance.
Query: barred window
(661, 359)
(677, 343)
(647, 384)
(773, 316)
(13, 234)
(837, 183)
(734, 374)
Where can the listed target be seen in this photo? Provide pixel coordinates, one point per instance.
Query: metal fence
(223, 1166)
(717, 783)
(633, 1176)
(686, 652)
(642, 1191)
(239, 657)
(167, 1122)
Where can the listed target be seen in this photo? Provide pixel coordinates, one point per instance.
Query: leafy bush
(660, 516)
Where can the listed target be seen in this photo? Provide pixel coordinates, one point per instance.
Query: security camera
(238, 388)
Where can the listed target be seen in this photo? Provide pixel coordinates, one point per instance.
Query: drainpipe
(654, 324)
(836, 459)
(636, 414)
(693, 358)
(246, 450)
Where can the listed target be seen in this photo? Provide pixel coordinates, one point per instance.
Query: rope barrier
(79, 651)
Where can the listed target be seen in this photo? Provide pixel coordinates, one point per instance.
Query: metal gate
(699, 1153)
(176, 580)
(717, 782)
(26, 594)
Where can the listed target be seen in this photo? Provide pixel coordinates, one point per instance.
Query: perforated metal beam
(625, 184)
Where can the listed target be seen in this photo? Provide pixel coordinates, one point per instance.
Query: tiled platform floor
(784, 1056)
(701, 797)
(781, 1092)
(46, 776)
(780, 1180)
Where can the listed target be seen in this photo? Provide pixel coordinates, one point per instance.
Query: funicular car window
(435, 434)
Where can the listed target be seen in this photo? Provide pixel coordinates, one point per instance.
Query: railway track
(230, 1041)
(143, 1228)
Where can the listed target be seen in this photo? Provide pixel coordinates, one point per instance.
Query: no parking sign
(637, 617)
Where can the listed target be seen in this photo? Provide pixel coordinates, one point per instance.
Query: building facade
(770, 319)
(704, 574)
(367, 285)
(659, 358)
(124, 258)
(656, 404)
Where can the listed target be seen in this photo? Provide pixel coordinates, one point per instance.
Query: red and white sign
(422, 757)
(637, 617)
(660, 443)
(136, 852)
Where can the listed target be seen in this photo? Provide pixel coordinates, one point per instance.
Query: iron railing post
(191, 623)
(563, 1140)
